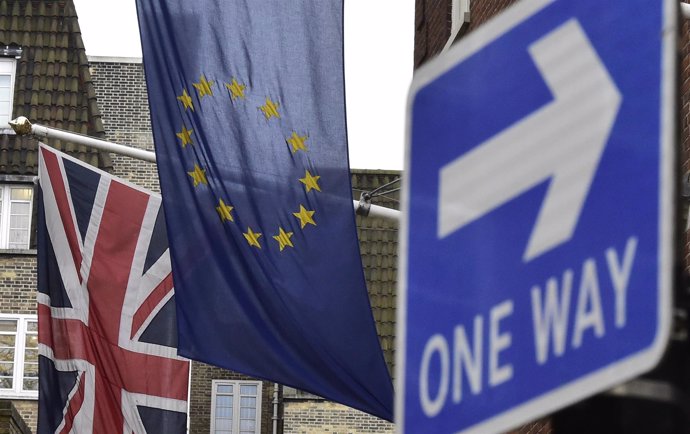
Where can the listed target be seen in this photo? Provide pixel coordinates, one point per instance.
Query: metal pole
(23, 126)
(378, 211)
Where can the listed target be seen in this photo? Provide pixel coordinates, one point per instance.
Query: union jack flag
(107, 330)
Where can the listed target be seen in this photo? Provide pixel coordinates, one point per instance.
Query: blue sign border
(612, 374)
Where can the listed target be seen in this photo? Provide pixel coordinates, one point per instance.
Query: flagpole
(22, 126)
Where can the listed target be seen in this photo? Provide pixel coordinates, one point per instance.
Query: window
(18, 356)
(236, 407)
(15, 215)
(7, 73)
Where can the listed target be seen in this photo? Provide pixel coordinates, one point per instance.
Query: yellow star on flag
(203, 87)
(283, 239)
(224, 211)
(186, 100)
(252, 237)
(304, 216)
(198, 175)
(185, 135)
(236, 89)
(296, 142)
(310, 181)
(270, 109)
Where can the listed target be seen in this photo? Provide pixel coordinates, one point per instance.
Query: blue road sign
(536, 250)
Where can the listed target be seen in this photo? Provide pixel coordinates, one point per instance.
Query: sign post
(536, 250)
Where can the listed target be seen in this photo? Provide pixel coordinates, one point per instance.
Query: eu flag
(247, 105)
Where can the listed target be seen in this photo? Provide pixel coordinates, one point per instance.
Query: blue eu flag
(247, 105)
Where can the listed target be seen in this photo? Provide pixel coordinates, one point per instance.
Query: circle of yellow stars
(296, 143)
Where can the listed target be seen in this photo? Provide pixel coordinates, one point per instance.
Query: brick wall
(320, 417)
(482, 11)
(432, 28)
(28, 415)
(684, 124)
(121, 92)
(10, 420)
(18, 284)
(433, 24)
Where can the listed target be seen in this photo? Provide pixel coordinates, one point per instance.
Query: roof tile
(52, 83)
(378, 246)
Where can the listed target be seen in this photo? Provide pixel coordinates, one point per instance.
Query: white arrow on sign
(562, 140)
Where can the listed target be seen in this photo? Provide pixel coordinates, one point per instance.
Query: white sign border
(611, 375)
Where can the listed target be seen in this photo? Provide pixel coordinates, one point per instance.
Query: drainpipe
(276, 401)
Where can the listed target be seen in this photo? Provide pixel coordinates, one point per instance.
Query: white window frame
(8, 66)
(236, 403)
(17, 390)
(5, 217)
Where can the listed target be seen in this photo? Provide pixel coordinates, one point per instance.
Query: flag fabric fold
(247, 106)
(106, 314)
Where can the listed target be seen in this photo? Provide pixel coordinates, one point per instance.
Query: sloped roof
(53, 84)
(378, 243)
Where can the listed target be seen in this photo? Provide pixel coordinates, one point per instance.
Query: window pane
(31, 341)
(4, 94)
(248, 402)
(8, 325)
(224, 424)
(20, 208)
(31, 355)
(224, 401)
(4, 80)
(247, 413)
(30, 369)
(224, 388)
(31, 384)
(19, 238)
(19, 222)
(21, 193)
(224, 412)
(5, 382)
(248, 390)
(6, 354)
(6, 369)
(247, 425)
(7, 341)
(32, 326)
